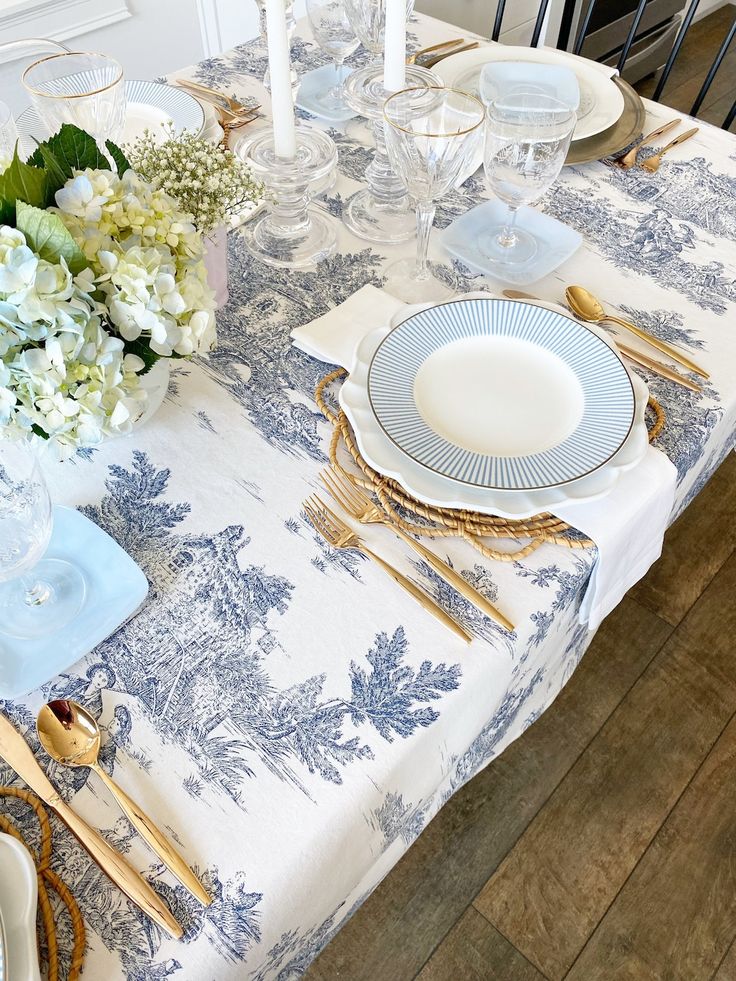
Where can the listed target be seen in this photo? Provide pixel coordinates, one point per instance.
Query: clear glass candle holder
(292, 233)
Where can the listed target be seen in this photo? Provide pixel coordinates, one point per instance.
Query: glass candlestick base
(291, 234)
(381, 212)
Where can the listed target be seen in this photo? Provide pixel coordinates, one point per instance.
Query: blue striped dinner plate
(149, 105)
(501, 394)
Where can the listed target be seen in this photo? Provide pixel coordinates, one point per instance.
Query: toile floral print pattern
(290, 717)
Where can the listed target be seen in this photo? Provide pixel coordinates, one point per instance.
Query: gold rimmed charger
(628, 126)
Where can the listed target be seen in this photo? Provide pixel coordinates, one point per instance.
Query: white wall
(149, 37)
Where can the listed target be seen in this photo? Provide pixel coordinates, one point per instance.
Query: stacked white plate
(601, 100)
(498, 406)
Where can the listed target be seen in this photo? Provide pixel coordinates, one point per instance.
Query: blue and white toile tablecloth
(288, 714)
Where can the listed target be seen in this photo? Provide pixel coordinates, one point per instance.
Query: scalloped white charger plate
(432, 488)
(18, 901)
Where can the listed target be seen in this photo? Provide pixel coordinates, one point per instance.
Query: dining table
(290, 717)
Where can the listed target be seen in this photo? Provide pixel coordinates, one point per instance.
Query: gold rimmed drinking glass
(8, 135)
(431, 135)
(79, 87)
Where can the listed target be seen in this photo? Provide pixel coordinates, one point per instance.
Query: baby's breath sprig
(210, 183)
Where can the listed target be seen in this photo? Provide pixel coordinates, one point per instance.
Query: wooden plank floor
(695, 58)
(602, 844)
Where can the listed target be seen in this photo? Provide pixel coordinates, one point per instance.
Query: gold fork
(339, 535)
(652, 163)
(357, 503)
(627, 160)
(214, 96)
(412, 58)
(436, 59)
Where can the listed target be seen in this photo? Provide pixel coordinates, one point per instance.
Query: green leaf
(121, 161)
(55, 172)
(21, 182)
(73, 149)
(140, 347)
(47, 235)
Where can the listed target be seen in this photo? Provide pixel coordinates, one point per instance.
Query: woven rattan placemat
(434, 522)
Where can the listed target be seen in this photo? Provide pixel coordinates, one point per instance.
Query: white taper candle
(394, 46)
(279, 68)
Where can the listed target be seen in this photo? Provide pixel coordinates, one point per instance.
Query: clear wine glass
(79, 87)
(368, 18)
(8, 135)
(333, 32)
(527, 138)
(431, 134)
(37, 595)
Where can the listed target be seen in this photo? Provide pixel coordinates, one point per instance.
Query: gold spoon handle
(662, 346)
(155, 839)
(454, 578)
(678, 140)
(421, 597)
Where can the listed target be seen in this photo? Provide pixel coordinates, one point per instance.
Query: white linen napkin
(627, 524)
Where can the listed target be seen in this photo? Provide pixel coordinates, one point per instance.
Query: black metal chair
(665, 74)
(538, 23)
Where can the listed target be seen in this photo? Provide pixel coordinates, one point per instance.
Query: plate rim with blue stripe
(607, 413)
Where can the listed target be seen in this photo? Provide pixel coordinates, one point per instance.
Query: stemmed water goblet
(82, 88)
(334, 33)
(37, 595)
(527, 138)
(8, 135)
(431, 134)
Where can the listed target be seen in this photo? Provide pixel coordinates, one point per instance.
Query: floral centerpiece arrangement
(208, 181)
(101, 275)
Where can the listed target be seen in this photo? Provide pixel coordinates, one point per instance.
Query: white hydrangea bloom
(146, 258)
(61, 373)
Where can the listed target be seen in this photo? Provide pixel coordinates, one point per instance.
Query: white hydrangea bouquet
(101, 275)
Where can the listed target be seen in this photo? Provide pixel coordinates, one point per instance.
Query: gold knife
(657, 367)
(642, 359)
(17, 754)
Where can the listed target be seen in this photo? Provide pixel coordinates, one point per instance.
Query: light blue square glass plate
(314, 86)
(116, 588)
(555, 242)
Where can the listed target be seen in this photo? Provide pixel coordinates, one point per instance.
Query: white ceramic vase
(215, 260)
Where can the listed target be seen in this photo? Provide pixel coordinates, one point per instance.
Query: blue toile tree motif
(396, 818)
(386, 695)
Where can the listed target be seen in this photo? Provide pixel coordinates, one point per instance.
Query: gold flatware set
(358, 505)
(586, 307)
(651, 164)
(432, 55)
(71, 736)
(231, 113)
(339, 535)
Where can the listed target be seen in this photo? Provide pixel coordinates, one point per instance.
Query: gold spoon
(584, 305)
(71, 736)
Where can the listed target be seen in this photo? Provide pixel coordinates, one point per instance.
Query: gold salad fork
(357, 504)
(627, 160)
(652, 163)
(339, 535)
